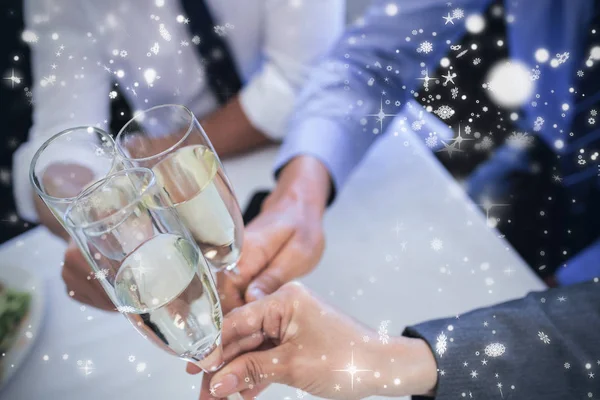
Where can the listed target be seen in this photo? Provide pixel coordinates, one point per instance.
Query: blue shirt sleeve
(585, 266)
(343, 110)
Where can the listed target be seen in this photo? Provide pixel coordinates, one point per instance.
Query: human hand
(286, 239)
(80, 281)
(316, 349)
(230, 295)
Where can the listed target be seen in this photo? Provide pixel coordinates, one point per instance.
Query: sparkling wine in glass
(171, 307)
(169, 140)
(149, 264)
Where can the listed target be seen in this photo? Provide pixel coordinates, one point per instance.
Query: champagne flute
(149, 264)
(67, 162)
(169, 140)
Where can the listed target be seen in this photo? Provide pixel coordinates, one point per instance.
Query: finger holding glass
(149, 264)
(169, 140)
(317, 349)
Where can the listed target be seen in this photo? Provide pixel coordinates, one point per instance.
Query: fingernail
(225, 385)
(256, 293)
(192, 369)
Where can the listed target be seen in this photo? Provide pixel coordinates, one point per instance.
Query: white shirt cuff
(22, 188)
(268, 101)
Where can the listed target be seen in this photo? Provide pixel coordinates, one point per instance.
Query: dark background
(16, 110)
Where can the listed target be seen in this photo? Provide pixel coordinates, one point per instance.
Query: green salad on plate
(14, 306)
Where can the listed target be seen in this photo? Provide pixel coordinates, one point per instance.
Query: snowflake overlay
(441, 344)
(494, 350)
(444, 112)
(486, 143)
(383, 333)
(437, 244)
(538, 123)
(101, 274)
(543, 337)
(458, 13)
(432, 140)
(425, 47)
(125, 309)
(164, 33)
(519, 140)
(562, 57)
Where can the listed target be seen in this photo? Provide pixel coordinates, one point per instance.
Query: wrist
(424, 367)
(306, 180)
(406, 367)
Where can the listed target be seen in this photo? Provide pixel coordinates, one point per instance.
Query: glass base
(211, 360)
(228, 269)
(232, 269)
(220, 257)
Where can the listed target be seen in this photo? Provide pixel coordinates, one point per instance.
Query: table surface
(381, 264)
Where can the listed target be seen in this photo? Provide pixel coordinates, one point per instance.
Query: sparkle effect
(14, 80)
(426, 79)
(86, 366)
(424, 42)
(352, 370)
(381, 116)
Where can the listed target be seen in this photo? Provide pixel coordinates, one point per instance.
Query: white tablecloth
(380, 264)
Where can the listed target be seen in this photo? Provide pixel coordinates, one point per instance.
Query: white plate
(22, 280)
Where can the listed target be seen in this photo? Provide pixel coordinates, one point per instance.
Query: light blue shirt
(336, 113)
(336, 119)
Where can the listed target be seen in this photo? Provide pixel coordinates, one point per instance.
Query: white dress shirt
(80, 48)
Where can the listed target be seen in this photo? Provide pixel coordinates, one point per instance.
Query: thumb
(249, 371)
(289, 264)
(263, 240)
(265, 283)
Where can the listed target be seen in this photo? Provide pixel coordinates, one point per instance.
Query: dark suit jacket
(545, 346)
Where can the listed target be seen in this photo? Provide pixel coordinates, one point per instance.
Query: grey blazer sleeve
(543, 346)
